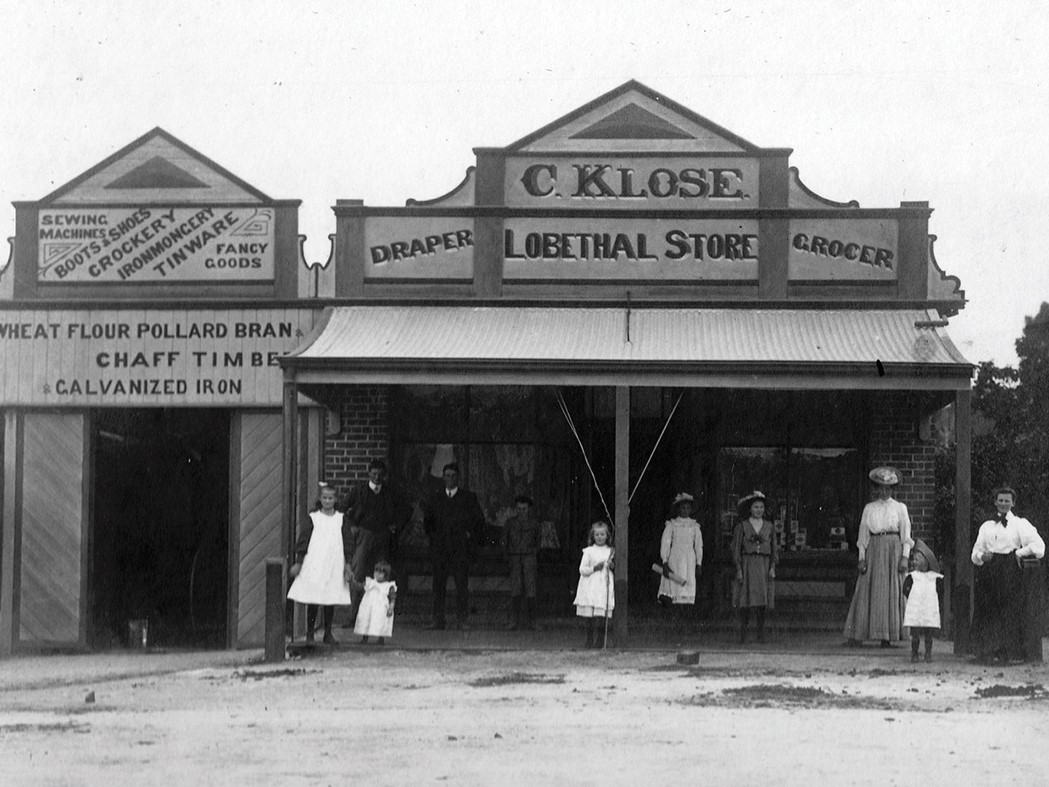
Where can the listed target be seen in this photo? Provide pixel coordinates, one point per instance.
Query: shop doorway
(160, 536)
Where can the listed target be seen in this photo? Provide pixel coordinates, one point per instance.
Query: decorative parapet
(7, 276)
(943, 287)
(461, 195)
(801, 196)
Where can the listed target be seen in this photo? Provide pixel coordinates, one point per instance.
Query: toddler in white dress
(375, 616)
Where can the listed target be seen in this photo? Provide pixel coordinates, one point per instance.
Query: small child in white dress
(922, 587)
(595, 597)
(375, 616)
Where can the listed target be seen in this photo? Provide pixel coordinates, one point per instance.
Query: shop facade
(142, 315)
(629, 303)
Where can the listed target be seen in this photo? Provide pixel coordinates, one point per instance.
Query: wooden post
(288, 485)
(961, 592)
(9, 517)
(274, 610)
(622, 512)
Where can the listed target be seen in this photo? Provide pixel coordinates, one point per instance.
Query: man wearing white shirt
(1007, 587)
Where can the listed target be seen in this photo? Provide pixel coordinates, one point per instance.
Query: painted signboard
(418, 247)
(843, 249)
(632, 183)
(155, 245)
(111, 357)
(610, 248)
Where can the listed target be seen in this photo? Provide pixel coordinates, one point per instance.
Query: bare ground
(388, 716)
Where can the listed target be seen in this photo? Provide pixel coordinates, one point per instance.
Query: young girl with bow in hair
(595, 596)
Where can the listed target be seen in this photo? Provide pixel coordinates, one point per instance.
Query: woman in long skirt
(884, 545)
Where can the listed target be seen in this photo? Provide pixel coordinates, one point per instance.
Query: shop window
(508, 441)
(742, 471)
(826, 484)
(430, 413)
(502, 414)
(813, 494)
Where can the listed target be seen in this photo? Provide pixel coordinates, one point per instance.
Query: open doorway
(160, 540)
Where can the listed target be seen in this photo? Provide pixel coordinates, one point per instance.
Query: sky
(384, 101)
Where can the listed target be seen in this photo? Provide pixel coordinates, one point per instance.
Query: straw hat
(886, 476)
(930, 558)
(744, 504)
(684, 497)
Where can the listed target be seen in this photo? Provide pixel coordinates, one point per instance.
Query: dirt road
(396, 717)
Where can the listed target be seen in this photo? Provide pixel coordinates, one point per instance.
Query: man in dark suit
(382, 512)
(454, 522)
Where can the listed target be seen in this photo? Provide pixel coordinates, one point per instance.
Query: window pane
(429, 413)
(826, 484)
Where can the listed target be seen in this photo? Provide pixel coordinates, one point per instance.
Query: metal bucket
(138, 634)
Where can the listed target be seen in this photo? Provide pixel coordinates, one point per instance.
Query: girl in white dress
(595, 596)
(922, 587)
(320, 570)
(375, 617)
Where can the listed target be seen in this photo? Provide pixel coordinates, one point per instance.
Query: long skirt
(1007, 610)
(757, 589)
(878, 603)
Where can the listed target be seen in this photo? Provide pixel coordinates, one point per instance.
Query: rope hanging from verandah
(654, 447)
(575, 433)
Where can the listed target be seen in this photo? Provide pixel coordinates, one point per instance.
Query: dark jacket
(383, 514)
(453, 525)
(520, 536)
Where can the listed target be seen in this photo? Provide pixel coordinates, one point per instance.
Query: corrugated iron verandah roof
(606, 345)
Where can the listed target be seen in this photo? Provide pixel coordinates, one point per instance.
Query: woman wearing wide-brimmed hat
(884, 545)
(755, 554)
(681, 550)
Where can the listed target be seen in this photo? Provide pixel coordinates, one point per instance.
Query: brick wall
(895, 441)
(365, 435)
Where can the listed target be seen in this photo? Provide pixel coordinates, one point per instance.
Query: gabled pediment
(156, 168)
(633, 119)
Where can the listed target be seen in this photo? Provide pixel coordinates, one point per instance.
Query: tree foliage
(1010, 442)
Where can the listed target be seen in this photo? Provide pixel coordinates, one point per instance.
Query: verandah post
(622, 512)
(961, 593)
